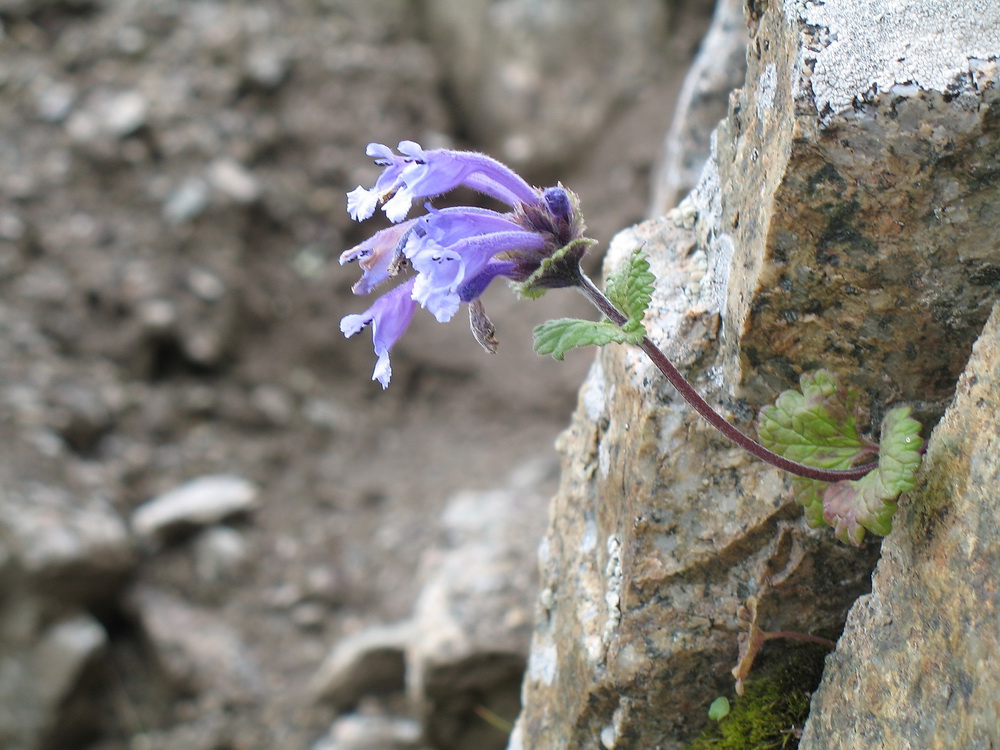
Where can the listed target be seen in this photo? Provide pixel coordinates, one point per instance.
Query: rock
(846, 176)
(370, 662)
(200, 502)
(823, 238)
(108, 115)
(535, 81)
(77, 549)
(473, 616)
(915, 667)
(196, 647)
(186, 201)
(233, 180)
(219, 553)
(367, 732)
(39, 678)
(718, 69)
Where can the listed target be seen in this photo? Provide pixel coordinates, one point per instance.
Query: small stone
(62, 654)
(205, 284)
(267, 68)
(219, 552)
(54, 102)
(309, 615)
(125, 113)
(360, 732)
(234, 180)
(200, 502)
(36, 680)
(187, 201)
(370, 662)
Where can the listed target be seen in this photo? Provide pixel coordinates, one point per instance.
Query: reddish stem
(700, 405)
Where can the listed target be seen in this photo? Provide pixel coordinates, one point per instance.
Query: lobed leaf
(870, 502)
(630, 287)
(818, 427)
(556, 337)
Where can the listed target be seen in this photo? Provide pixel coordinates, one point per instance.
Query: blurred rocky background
(215, 532)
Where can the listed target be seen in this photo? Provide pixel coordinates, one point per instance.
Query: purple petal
(375, 256)
(447, 226)
(389, 317)
(430, 173)
(474, 287)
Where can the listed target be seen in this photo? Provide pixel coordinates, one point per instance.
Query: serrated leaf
(630, 287)
(817, 427)
(870, 502)
(556, 337)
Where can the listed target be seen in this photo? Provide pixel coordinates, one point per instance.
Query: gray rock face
(822, 234)
(718, 69)
(858, 195)
(473, 617)
(536, 80)
(916, 666)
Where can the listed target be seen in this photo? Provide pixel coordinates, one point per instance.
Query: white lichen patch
(613, 590)
(878, 44)
(767, 84)
(543, 662)
(612, 731)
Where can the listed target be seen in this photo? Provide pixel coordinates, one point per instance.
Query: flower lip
(389, 316)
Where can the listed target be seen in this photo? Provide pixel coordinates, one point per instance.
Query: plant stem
(700, 405)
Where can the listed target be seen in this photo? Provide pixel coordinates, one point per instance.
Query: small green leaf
(630, 287)
(870, 502)
(719, 708)
(818, 427)
(556, 337)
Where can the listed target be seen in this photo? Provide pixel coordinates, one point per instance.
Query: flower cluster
(454, 252)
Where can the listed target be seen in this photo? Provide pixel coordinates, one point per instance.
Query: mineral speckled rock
(718, 69)
(853, 232)
(535, 81)
(660, 531)
(858, 169)
(916, 667)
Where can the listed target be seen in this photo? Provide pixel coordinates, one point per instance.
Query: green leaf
(818, 427)
(870, 502)
(556, 337)
(719, 708)
(630, 287)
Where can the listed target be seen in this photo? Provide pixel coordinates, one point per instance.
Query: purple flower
(455, 252)
(389, 318)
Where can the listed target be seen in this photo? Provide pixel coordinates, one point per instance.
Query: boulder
(916, 666)
(536, 81)
(843, 221)
(472, 620)
(718, 69)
